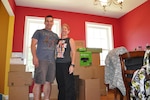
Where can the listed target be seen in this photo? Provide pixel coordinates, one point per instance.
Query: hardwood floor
(110, 96)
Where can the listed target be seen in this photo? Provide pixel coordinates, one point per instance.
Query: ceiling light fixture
(105, 3)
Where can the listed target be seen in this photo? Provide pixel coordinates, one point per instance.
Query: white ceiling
(82, 6)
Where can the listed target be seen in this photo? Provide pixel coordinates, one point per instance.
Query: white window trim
(101, 25)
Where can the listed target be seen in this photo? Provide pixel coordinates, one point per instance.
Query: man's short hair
(48, 16)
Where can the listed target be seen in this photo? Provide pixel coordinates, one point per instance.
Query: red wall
(135, 27)
(75, 20)
(131, 30)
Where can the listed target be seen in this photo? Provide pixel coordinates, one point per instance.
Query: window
(31, 25)
(99, 36)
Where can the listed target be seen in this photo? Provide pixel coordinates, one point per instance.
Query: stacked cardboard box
(19, 82)
(91, 84)
(89, 89)
(54, 92)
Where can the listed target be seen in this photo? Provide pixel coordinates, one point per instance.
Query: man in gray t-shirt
(43, 51)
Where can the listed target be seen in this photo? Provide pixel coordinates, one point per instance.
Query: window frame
(109, 28)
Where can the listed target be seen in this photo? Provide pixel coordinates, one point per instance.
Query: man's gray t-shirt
(46, 44)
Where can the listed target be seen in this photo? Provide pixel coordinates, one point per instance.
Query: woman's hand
(71, 69)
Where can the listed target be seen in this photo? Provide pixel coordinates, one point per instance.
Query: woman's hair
(66, 25)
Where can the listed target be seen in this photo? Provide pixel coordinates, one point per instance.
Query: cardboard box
(84, 72)
(95, 59)
(103, 87)
(16, 79)
(54, 92)
(19, 93)
(79, 44)
(95, 55)
(92, 71)
(89, 89)
(95, 50)
(99, 73)
(17, 67)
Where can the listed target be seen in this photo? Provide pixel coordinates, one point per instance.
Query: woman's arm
(73, 53)
(73, 50)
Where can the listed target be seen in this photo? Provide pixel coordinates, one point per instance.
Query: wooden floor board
(109, 96)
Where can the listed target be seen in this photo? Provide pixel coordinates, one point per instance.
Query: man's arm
(33, 51)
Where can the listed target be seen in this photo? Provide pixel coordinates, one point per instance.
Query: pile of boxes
(91, 78)
(19, 82)
(90, 85)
